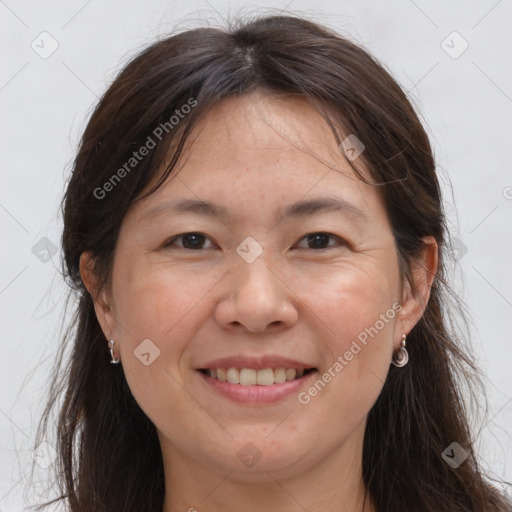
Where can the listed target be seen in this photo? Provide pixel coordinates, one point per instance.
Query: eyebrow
(301, 208)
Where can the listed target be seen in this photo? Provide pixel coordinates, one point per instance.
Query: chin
(250, 457)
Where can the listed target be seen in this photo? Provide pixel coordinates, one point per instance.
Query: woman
(255, 232)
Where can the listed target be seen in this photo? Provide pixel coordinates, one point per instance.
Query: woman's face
(252, 288)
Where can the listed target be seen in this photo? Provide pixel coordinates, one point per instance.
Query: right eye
(191, 241)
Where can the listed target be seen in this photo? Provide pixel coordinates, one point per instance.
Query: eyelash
(341, 242)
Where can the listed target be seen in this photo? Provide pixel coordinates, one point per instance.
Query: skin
(253, 155)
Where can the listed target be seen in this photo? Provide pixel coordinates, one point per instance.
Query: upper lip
(256, 363)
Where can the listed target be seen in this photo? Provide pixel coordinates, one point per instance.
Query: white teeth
(279, 375)
(265, 377)
(251, 377)
(247, 377)
(290, 373)
(233, 376)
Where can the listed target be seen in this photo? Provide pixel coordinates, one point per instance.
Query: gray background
(465, 101)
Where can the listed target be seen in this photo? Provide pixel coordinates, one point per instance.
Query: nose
(256, 299)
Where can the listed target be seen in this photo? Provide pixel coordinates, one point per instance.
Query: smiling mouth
(251, 377)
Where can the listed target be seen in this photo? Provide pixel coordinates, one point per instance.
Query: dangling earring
(401, 357)
(113, 360)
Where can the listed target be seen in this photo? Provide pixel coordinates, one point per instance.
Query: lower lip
(257, 394)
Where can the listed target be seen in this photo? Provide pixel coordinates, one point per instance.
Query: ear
(414, 302)
(102, 302)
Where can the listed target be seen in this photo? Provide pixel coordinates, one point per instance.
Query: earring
(113, 360)
(401, 357)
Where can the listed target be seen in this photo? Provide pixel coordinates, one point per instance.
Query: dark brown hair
(109, 457)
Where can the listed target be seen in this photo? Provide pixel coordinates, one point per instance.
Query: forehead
(265, 123)
(271, 147)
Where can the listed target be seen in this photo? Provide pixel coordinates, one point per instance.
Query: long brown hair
(109, 457)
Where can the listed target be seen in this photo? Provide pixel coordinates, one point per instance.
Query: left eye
(318, 240)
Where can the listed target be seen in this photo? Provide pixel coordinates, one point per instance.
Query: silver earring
(401, 357)
(113, 360)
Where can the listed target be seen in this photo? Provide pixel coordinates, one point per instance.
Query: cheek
(351, 298)
(158, 305)
(356, 311)
(166, 305)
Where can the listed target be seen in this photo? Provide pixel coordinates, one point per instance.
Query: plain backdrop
(452, 58)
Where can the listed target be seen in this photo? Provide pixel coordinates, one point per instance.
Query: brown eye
(321, 240)
(191, 241)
